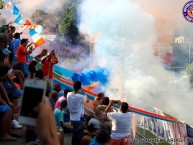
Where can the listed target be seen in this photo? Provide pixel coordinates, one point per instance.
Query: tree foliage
(67, 24)
(63, 22)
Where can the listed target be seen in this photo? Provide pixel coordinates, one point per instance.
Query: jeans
(76, 124)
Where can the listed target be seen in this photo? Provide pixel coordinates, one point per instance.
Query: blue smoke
(89, 76)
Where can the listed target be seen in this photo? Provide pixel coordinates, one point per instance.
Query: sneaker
(15, 124)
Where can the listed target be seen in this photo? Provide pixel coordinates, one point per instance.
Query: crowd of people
(59, 112)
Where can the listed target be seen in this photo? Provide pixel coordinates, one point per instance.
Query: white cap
(94, 122)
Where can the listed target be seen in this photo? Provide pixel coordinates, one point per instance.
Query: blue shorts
(12, 92)
(4, 109)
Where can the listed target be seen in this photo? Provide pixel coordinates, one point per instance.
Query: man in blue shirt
(15, 43)
(59, 116)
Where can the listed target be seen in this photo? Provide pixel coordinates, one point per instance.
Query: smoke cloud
(28, 6)
(127, 33)
(169, 20)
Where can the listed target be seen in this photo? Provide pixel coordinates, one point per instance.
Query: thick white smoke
(125, 46)
(28, 7)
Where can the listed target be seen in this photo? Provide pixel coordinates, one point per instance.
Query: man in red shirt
(47, 66)
(22, 54)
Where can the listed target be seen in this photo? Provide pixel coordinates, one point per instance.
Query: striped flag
(15, 10)
(27, 22)
(36, 38)
(37, 28)
(20, 21)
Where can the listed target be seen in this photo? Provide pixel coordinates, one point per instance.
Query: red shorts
(123, 141)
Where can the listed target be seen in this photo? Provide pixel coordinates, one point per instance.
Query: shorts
(4, 109)
(14, 93)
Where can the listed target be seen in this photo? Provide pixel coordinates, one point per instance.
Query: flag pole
(25, 28)
(2, 11)
(3, 7)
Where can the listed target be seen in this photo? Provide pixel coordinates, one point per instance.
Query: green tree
(67, 25)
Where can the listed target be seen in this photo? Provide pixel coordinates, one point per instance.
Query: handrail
(132, 109)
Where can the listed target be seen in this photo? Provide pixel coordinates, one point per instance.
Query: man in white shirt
(76, 105)
(121, 124)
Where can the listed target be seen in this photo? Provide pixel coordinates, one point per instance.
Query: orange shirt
(47, 66)
(21, 54)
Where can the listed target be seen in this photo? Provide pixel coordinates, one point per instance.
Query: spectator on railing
(76, 105)
(99, 114)
(98, 100)
(101, 108)
(121, 124)
(39, 57)
(47, 66)
(32, 67)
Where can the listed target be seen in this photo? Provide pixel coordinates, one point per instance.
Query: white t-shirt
(75, 105)
(121, 124)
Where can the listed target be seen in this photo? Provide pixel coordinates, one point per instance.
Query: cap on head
(94, 122)
(56, 85)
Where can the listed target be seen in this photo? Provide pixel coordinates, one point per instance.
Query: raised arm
(108, 108)
(87, 99)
